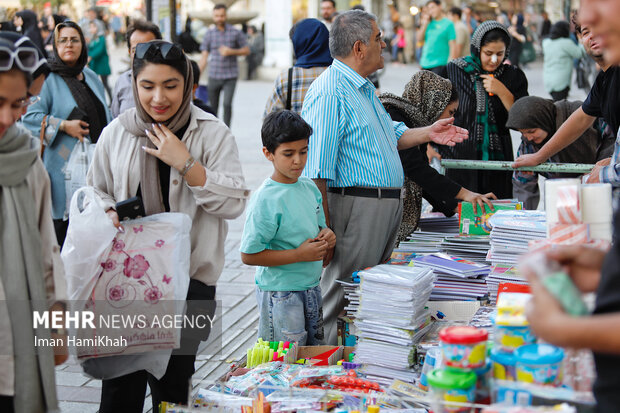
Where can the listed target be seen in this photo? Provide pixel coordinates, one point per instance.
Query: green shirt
(436, 49)
(281, 217)
(558, 64)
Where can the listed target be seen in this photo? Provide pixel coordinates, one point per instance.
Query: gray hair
(348, 28)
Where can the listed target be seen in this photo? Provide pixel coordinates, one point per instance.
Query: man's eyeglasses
(72, 40)
(25, 58)
(169, 51)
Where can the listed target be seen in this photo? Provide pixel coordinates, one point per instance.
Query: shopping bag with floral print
(139, 297)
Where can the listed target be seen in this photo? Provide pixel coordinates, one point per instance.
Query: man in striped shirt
(353, 155)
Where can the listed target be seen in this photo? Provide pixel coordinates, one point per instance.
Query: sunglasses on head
(168, 51)
(26, 58)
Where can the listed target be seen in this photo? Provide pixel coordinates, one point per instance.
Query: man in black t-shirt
(604, 97)
(603, 101)
(590, 269)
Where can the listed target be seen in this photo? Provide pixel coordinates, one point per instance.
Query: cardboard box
(334, 353)
(346, 332)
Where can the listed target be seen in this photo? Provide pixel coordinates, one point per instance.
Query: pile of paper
(438, 222)
(351, 293)
(421, 242)
(470, 247)
(511, 232)
(457, 278)
(502, 273)
(391, 320)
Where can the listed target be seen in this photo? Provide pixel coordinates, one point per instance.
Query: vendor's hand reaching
(544, 313)
(443, 132)
(476, 199)
(76, 128)
(530, 159)
(170, 149)
(582, 263)
(312, 250)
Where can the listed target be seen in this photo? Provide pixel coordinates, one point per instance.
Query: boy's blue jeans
(291, 316)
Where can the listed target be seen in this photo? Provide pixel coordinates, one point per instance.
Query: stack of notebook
(512, 230)
(391, 320)
(471, 247)
(457, 278)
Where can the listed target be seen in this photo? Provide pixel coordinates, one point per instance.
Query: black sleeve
(592, 105)
(518, 85)
(438, 189)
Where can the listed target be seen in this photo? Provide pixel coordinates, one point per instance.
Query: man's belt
(367, 192)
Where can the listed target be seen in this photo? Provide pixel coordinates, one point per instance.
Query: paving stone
(70, 379)
(79, 394)
(75, 407)
(93, 383)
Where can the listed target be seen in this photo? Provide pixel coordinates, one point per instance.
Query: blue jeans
(291, 316)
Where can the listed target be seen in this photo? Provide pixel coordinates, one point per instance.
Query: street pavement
(235, 289)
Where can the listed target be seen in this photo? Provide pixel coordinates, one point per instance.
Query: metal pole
(565, 168)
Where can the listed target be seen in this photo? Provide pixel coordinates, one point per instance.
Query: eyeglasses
(169, 51)
(25, 58)
(72, 40)
(30, 100)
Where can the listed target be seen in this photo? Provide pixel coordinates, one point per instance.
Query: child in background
(286, 237)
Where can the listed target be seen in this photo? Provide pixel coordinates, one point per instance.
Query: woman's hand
(476, 199)
(432, 153)
(113, 215)
(75, 128)
(443, 132)
(494, 86)
(530, 159)
(170, 149)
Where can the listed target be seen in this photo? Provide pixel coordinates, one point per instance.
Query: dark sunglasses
(169, 51)
(26, 58)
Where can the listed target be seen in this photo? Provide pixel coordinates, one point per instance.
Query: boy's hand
(312, 250)
(328, 235)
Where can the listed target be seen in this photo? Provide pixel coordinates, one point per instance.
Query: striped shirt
(302, 79)
(354, 140)
(223, 67)
(611, 173)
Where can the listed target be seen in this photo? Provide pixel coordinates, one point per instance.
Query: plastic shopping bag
(76, 169)
(89, 239)
(143, 280)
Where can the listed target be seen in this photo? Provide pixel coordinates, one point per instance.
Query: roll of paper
(596, 206)
(601, 231)
(551, 197)
(568, 205)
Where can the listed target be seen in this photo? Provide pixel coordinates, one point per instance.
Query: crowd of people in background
(156, 138)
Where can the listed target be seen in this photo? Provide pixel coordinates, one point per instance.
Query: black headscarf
(30, 28)
(559, 30)
(85, 98)
(532, 112)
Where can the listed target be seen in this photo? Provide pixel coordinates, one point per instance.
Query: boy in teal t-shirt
(286, 237)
